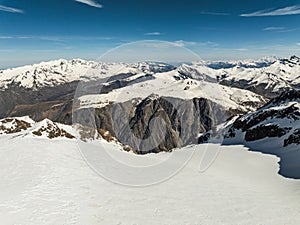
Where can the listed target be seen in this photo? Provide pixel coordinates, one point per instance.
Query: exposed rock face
(58, 111)
(250, 125)
(264, 131)
(156, 123)
(277, 118)
(54, 103)
(273, 129)
(293, 138)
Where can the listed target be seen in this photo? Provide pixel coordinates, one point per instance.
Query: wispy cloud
(90, 3)
(182, 43)
(298, 43)
(153, 33)
(208, 43)
(280, 29)
(58, 38)
(288, 30)
(240, 49)
(10, 9)
(14, 37)
(215, 13)
(273, 28)
(290, 10)
(231, 49)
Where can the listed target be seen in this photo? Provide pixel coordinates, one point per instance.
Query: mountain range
(249, 102)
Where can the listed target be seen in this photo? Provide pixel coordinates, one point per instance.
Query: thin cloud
(241, 49)
(153, 33)
(273, 28)
(298, 43)
(215, 13)
(290, 10)
(15, 37)
(10, 9)
(59, 38)
(90, 3)
(288, 30)
(182, 43)
(208, 43)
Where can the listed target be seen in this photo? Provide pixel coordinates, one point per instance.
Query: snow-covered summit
(272, 74)
(269, 80)
(246, 63)
(62, 71)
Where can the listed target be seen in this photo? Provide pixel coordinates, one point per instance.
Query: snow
(166, 85)
(63, 71)
(47, 182)
(275, 73)
(57, 72)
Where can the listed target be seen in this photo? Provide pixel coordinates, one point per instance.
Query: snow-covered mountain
(273, 129)
(246, 63)
(46, 90)
(185, 82)
(271, 74)
(275, 126)
(194, 102)
(225, 89)
(57, 72)
(268, 80)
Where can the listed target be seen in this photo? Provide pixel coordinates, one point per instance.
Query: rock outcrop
(155, 123)
(273, 129)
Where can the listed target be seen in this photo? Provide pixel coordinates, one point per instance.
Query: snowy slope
(44, 74)
(62, 71)
(184, 82)
(273, 128)
(267, 78)
(273, 74)
(47, 182)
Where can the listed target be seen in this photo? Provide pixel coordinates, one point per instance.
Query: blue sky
(39, 30)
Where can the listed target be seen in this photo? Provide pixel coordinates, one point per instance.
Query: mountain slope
(46, 90)
(186, 101)
(273, 129)
(214, 92)
(269, 81)
(48, 182)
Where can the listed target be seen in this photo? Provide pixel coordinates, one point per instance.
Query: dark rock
(156, 123)
(293, 138)
(264, 131)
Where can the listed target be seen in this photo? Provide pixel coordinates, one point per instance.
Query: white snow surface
(48, 182)
(167, 84)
